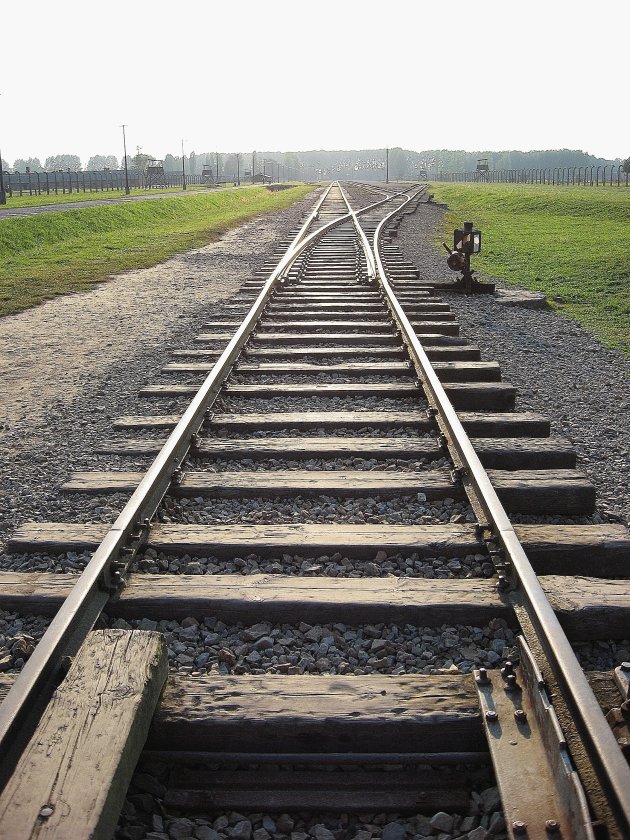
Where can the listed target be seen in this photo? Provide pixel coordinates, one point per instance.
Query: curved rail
(104, 573)
(604, 754)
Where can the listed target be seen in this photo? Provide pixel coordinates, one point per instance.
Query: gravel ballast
(265, 648)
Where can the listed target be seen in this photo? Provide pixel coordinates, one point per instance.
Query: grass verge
(569, 242)
(56, 253)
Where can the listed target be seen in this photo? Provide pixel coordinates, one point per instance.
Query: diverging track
(338, 536)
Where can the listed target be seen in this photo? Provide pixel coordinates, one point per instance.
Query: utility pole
(216, 162)
(183, 168)
(253, 164)
(126, 168)
(387, 166)
(3, 194)
(238, 168)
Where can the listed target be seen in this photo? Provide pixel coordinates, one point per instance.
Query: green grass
(61, 198)
(56, 253)
(571, 243)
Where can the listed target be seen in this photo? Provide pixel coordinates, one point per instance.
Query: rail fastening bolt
(520, 715)
(519, 827)
(625, 666)
(552, 826)
(512, 684)
(492, 716)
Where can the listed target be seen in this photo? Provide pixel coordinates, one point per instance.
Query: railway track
(373, 629)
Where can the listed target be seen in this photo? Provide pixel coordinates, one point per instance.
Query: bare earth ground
(73, 364)
(49, 352)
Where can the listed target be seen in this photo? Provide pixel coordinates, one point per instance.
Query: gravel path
(559, 369)
(75, 363)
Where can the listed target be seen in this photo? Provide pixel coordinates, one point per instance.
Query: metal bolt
(552, 826)
(508, 668)
(512, 684)
(492, 716)
(519, 827)
(520, 715)
(503, 583)
(625, 666)
(482, 676)
(46, 811)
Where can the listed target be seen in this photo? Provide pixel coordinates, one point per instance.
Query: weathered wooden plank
(253, 352)
(346, 369)
(448, 371)
(497, 396)
(525, 453)
(314, 338)
(434, 327)
(318, 714)
(553, 549)
(225, 540)
(291, 447)
(323, 389)
(464, 395)
(157, 421)
(72, 778)
(278, 598)
(500, 453)
(577, 549)
(567, 492)
(295, 419)
(459, 353)
(435, 484)
(308, 790)
(477, 424)
(588, 607)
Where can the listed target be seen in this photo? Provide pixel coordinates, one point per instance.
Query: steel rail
(104, 573)
(603, 750)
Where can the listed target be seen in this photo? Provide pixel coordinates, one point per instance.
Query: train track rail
(337, 385)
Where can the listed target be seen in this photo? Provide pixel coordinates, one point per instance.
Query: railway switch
(466, 241)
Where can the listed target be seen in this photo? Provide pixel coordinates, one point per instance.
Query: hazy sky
(291, 74)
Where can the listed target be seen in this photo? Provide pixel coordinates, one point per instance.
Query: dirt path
(49, 353)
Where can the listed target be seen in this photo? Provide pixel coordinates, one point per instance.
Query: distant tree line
(54, 163)
(363, 164)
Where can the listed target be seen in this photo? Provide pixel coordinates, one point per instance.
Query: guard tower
(154, 174)
(207, 173)
(482, 169)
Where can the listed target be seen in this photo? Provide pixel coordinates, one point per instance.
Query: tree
(192, 163)
(626, 165)
(21, 165)
(71, 162)
(172, 164)
(140, 160)
(99, 162)
(230, 167)
(397, 164)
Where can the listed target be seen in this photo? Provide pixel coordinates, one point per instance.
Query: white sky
(263, 74)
